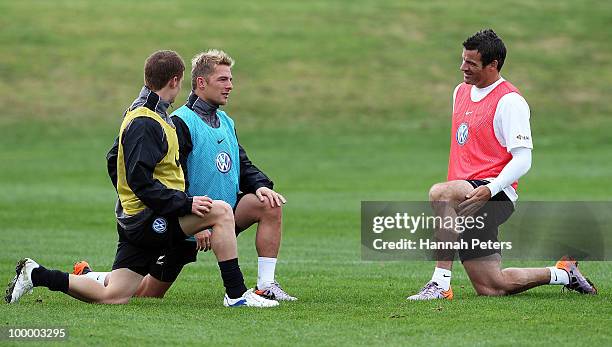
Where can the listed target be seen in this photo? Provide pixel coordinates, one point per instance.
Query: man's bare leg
(269, 219)
(221, 219)
(488, 278)
(30, 274)
(444, 198)
(269, 223)
(120, 289)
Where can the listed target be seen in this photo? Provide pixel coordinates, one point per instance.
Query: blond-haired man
(217, 166)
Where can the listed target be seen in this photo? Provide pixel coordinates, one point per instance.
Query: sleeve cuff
(494, 188)
(262, 184)
(187, 208)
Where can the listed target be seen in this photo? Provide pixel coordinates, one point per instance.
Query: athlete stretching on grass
(153, 211)
(209, 153)
(490, 150)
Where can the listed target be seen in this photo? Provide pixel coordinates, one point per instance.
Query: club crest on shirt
(160, 225)
(223, 162)
(462, 133)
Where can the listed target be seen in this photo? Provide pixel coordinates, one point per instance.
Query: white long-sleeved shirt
(513, 131)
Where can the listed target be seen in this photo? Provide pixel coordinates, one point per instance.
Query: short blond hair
(203, 64)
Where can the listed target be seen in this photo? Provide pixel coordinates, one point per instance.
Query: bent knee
(445, 191)
(222, 206)
(439, 192)
(222, 209)
(271, 211)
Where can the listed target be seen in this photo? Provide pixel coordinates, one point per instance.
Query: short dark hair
(489, 45)
(160, 67)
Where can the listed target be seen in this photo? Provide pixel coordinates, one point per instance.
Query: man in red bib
(490, 150)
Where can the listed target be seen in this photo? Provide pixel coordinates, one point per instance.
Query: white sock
(558, 276)
(265, 271)
(442, 277)
(97, 276)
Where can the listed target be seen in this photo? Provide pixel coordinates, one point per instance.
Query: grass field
(338, 102)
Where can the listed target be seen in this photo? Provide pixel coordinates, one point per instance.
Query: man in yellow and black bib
(153, 211)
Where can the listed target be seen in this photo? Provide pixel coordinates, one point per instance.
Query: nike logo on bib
(219, 141)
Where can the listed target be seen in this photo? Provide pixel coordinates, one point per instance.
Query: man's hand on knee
(274, 198)
(201, 205)
(476, 199)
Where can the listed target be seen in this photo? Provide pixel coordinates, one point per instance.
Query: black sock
(232, 278)
(53, 279)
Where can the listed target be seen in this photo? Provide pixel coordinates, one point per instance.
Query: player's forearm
(515, 169)
(165, 201)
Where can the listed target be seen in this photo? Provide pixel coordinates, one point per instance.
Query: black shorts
(240, 196)
(495, 212)
(169, 266)
(140, 249)
(171, 262)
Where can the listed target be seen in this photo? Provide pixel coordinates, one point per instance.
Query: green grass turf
(338, 102)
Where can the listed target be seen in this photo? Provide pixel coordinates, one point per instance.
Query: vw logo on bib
(160, 225)
(462, 133)
(223, 162)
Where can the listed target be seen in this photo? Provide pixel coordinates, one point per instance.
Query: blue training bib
(213, 166)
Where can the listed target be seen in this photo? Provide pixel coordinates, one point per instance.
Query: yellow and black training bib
(167, 171)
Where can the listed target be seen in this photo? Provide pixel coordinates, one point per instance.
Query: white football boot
(22, 282)
(250, 299)
(432, 291)
(275, 292)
